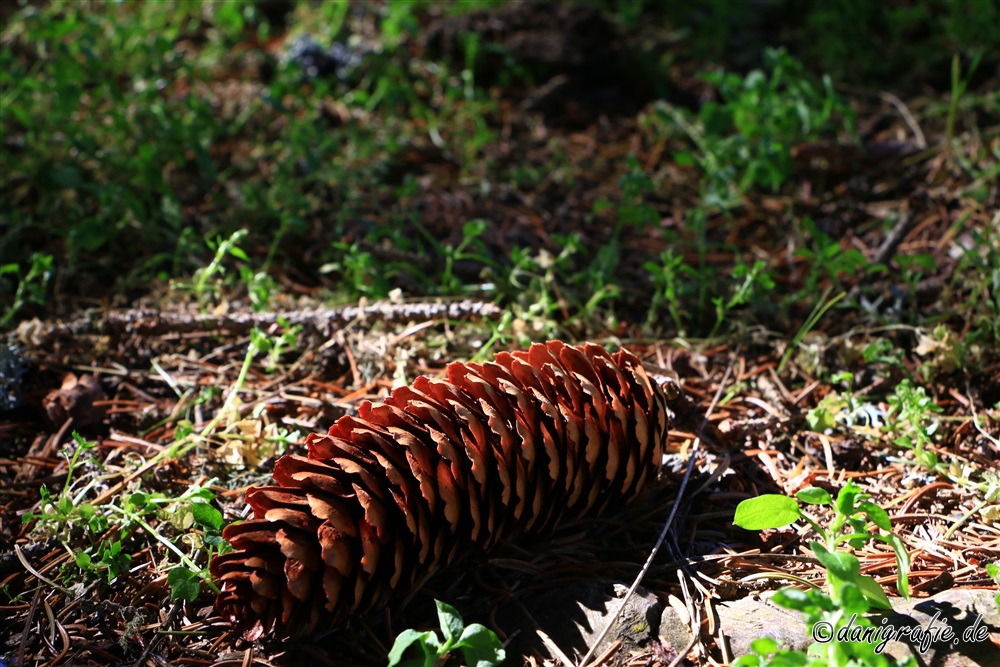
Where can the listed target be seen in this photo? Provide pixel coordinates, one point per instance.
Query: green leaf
(427, 641)
(474, 228)
(788, 659)
(184, 584)
(793, 598)
(451, 622)
(86, 511)
(206, 515)
(138, 499)
(852, 598)
(814, 496)
(846, 498)
(480, 647)
(841, 564)
(83, 560)
(183, 517)
(204, 494)
(876, 515)
(684, 159)
(98, 524)
(928, 458)
(872, 590)
(764, 645)
(767, 511)
(902, 560)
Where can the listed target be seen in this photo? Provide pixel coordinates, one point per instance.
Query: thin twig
(27, 624)
(694, 614)
(911, 122)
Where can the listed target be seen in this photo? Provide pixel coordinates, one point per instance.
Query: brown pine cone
(444, 466)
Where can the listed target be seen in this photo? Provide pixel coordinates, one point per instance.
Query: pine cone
(385, 499)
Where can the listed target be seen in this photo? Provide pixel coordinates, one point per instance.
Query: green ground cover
(806, 187)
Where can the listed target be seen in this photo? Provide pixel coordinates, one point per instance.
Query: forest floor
(284, 212)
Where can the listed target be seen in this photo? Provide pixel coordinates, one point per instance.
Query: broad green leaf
(764, 645)
(427, 641)
(138, 499)
(928, 458)
(841, 564)
(451, 622)
(480, 647)
(206, 515)
(184, 584)
(83, 560)
(795, 599)
(852, 598)
(788, 659)
(205, 494)
(767, 511)
(872, 590)
(814, 496)
(846, 498)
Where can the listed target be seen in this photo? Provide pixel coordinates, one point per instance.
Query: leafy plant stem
(817, 314)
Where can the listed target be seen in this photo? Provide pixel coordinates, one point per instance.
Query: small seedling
(910, 416)
(852, 512)
(993, 570)
(32, 287)
(851, 593)
(478, 644)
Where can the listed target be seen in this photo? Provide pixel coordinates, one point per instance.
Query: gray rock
(572, 618)
(970, 614)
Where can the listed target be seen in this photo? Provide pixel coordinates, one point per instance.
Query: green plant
(470, 249)
(359, 272)
(850, 595)
(31, 288)
(535, 285)
(993, 570)
(204, 275)
(667, 285)
(910, 417)
(756, 280)
(745, 140)
(959, 84)
(825, 258)
(822, 306)
(478, 644)
(106, 524)
(852, 512)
